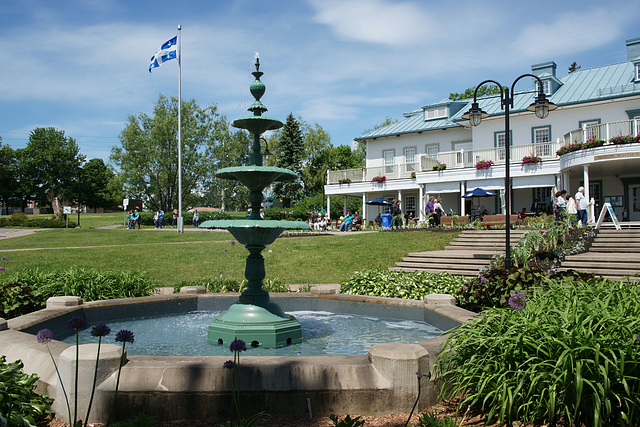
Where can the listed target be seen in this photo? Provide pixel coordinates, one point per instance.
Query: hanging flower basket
(379, 179)
(440, 167)
(344, 181)
(484, 164)
(531, 160)
(413, 175)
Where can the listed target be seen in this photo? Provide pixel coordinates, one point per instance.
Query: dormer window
(435, 113)
(546, 87)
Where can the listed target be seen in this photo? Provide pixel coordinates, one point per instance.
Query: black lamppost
(541, 107)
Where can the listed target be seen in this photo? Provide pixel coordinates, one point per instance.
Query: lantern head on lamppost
(475, 114)
(541, 106)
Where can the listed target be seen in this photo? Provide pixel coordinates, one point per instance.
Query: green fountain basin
(255, 231)
(257, 124)
(256, 176)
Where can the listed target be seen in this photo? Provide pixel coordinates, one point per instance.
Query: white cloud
(375, 21)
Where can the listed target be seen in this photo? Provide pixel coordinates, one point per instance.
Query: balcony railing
(604, 131)
(452, 159)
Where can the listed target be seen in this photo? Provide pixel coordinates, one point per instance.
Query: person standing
(536, 208)
(160, 218)
(581, 205)
(439, 210)
(430, 210)
(196, 218)
(397, 214)
(561, 204)
(136, 219)
(175, 218)
(155, 219)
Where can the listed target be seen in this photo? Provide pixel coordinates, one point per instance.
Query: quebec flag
(166, 52)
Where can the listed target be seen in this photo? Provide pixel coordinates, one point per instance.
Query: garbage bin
(386, 221)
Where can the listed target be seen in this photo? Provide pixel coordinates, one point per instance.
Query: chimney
(545, 68)
(633, 49)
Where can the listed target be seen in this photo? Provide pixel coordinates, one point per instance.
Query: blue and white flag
(166, 52)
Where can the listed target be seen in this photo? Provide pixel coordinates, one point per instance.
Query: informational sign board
(66, 210)
(608, 209)
(125, 203)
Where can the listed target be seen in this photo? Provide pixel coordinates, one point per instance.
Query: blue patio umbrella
(379, 201)
(479, 192)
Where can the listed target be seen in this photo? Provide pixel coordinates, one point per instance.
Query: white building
(600, 103)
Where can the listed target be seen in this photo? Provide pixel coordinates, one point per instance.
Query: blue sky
(82, 65)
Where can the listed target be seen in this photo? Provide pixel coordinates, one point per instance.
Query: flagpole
(180, 219)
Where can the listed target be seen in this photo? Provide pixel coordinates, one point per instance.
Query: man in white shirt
(581, 206)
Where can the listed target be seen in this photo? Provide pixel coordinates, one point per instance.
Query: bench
(461, 220)
(498, 219)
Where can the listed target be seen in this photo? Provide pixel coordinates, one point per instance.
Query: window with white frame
(546, 87)
(410, 159)
(410, 204)
(500, 142)
(388, 161)
(435, 113)
(591, 128)
(432, 151)
(638, 72)
(540, 137)
(464, 152)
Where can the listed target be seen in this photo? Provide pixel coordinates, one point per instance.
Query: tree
(94, 185)
(8, 176)
(317, 142)
(574, 67)
(289, 156)
(484, 90)
(49, 166)
(148, 155)
(227, 147)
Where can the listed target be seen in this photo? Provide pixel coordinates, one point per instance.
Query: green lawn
(168, 257)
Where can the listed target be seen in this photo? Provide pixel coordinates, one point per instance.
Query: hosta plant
(20, 405)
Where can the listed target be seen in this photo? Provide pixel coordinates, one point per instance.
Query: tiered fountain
(254, 318)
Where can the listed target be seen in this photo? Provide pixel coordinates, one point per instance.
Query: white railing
(604, 131)
(350, 175)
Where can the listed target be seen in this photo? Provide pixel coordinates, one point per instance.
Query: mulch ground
(470, 419)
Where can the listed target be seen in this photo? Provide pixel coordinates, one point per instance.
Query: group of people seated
(351, 222)
(319, 221)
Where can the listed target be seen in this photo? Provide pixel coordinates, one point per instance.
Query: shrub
(570, 356)
(494, 287)
(20, 405)
(90, 285)
(18, 219)
(400, 284)
(17, 299)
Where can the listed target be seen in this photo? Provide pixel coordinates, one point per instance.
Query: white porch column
(502, 202)
(587, 195)
(566, 183)
(344, 206)
(328, 206)
(363, 213)
(421, 203)
(399, 195)
(463, 190)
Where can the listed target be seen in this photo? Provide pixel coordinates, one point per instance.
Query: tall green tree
(49, 165)
(228, 147)
(484, 90)
(317, 143)
(8, 177)
(574, 67)
(94, 185)
(148, 154)
(290, 153)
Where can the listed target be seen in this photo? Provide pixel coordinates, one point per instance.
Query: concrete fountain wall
(170, 388)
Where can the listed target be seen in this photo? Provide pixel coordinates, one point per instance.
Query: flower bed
(379, 179)
(593, 143)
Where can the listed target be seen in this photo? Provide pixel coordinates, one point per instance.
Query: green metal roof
(588, 85)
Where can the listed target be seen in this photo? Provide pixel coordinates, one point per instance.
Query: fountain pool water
(324, 333)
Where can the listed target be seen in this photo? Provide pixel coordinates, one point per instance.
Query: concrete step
(464, 256)
(442, 266)
(464, 273)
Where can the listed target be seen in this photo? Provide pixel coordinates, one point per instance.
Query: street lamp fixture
(541, 107)
(266, 153)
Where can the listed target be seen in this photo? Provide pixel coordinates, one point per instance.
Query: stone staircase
(470, 252)
(614, 254)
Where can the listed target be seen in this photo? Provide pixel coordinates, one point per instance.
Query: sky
(82, 65)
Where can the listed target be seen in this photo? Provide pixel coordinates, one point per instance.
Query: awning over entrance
(487, 184)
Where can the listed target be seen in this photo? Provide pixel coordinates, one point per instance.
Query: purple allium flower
(483, 280)
(100, 330)
(1, 267)
(229, 364)
(233, 243)
(226, 250)
(4, 258)
(638, 337)
(44, 336)
(419, 374)
(238, 346)
(518, 302)
(77, 323)
(124, 336)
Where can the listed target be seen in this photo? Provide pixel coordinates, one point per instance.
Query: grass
(168, 257)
